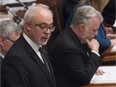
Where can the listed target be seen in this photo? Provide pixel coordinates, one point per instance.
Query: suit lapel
(75, 39)
(35, 57)
(52, 73)
(83, 49)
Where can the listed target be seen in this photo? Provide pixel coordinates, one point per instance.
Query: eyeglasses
(45, 27)
(8, 39)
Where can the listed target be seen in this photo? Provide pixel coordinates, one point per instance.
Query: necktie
(44, 58)
(85, 46)
(1, 59)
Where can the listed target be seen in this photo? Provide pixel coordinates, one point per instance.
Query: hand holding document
(109, 77)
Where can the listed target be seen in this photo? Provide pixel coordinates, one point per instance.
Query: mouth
(45, 38)
(91, 38)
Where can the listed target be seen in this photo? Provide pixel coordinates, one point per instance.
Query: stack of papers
(109, 77)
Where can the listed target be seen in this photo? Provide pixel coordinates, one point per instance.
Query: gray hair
(32, 12)
(7, 27)
(83, 15)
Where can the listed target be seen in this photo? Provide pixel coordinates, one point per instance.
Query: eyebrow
(45, 23)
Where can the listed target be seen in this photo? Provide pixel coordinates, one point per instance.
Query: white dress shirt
(34, 46)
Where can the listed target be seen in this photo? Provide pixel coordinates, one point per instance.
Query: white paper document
(108, 77)
(114, 24)
(113, 48)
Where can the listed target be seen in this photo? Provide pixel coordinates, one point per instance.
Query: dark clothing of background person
(109, 13)
(68, 7)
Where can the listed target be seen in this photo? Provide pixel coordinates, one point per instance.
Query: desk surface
(109, 55)
(107, 80)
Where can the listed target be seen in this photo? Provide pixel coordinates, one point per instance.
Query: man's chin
(44, 43)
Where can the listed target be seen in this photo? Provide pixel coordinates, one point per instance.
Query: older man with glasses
(9, 33)
(27, 64)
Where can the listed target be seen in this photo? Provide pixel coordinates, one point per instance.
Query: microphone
(16, 18)
(25, 6)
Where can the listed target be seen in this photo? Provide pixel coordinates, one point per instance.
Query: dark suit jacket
(74, 65)
(23, 68)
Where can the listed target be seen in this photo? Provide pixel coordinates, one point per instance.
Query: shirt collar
(31, 43)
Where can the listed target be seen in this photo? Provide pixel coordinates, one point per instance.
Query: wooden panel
(46, 2)
(109, 55)
(101, 85)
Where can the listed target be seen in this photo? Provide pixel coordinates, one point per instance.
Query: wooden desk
(109, 55)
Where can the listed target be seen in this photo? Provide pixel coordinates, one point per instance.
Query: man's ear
(28, 26)
(2, 42)
(81, 27)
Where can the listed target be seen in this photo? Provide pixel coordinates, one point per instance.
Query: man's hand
(93, 45)
(99, 72)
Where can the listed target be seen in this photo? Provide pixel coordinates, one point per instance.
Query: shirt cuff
(95, 52)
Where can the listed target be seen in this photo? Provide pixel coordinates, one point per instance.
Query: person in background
(16, 9)
(75, 53)
(65, 8)
(9, 33)
(1, 58)
(97, 4)
(105, 38)
(111, 36)
(106, 35)
(109, 14)
(26, 64)
(15, 5)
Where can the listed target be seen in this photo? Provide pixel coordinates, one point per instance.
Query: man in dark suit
(75, 53)
(25, 65)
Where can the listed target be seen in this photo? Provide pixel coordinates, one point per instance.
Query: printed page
(108, 77)
(114, 24)
(113, 48)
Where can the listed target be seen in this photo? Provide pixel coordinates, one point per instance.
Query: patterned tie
(44, 59)
(85, 46)
(1, 59)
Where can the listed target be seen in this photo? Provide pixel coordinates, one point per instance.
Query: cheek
(86, 34)
(90, 33)
(6, 47)
(35, 34)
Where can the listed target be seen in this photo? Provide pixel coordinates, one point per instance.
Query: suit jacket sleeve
(15, 77)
